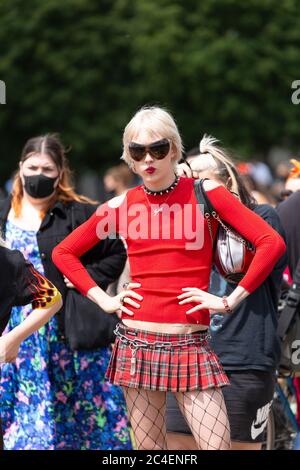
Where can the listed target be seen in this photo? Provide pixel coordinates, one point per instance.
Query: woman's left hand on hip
(205, 300)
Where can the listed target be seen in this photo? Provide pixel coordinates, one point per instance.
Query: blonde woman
(162, 344)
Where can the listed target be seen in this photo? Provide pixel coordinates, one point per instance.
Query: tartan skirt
(137, 362)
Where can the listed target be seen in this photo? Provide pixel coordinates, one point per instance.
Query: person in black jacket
(74, 406)
(21, 284)
(246, 341)
(288, 211)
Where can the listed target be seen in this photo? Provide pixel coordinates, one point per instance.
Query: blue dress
(53, 398)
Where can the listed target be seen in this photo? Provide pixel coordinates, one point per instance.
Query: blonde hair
(153, 120)
(51, 145)
(216, 160)
(213, 158)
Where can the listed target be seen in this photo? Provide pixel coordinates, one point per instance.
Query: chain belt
(135, 344)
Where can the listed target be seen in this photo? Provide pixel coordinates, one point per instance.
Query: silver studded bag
(230, 249)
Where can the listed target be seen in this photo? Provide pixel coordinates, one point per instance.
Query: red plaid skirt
(172, 367)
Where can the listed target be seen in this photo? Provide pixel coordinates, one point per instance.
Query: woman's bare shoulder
(115, 202)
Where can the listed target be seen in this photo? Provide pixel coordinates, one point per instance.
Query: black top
(289, 214)
(247, 338)
(104, 262)
(21, 284)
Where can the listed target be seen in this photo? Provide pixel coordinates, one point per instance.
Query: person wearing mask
(54, 398)
(162, 344)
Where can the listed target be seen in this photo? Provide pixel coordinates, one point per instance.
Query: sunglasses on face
(157, 150)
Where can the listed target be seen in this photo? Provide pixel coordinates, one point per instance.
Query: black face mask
(39, 186)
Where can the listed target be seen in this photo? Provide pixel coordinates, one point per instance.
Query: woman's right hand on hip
(119, 302)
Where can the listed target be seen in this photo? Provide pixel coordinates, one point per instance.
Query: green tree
(82, 68)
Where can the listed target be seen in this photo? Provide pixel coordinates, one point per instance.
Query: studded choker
(163, 191)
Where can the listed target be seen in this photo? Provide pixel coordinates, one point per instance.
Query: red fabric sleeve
(66, 255)
(268, 243)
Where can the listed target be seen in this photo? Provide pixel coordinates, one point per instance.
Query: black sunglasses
(157, 150)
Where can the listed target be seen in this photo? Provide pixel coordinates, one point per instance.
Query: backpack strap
(205, 205)
(202, 198)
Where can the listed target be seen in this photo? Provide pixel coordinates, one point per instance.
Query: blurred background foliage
(83, 67)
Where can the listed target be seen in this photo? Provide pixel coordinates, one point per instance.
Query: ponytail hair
(217, 161)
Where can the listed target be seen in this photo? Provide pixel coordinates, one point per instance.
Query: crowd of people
(189, 250)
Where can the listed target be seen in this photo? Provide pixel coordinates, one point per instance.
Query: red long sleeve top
(169, 250)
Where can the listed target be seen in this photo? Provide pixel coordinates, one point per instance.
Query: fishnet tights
(204, 411)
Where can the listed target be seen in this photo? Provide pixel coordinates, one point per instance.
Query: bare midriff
(168, 328)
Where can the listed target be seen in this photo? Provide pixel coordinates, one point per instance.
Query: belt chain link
(135, 344)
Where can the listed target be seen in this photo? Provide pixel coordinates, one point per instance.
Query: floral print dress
(53, 398)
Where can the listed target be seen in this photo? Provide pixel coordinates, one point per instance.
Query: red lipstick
(150, 170)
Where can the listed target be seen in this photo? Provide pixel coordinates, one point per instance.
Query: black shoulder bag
(87, 326)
